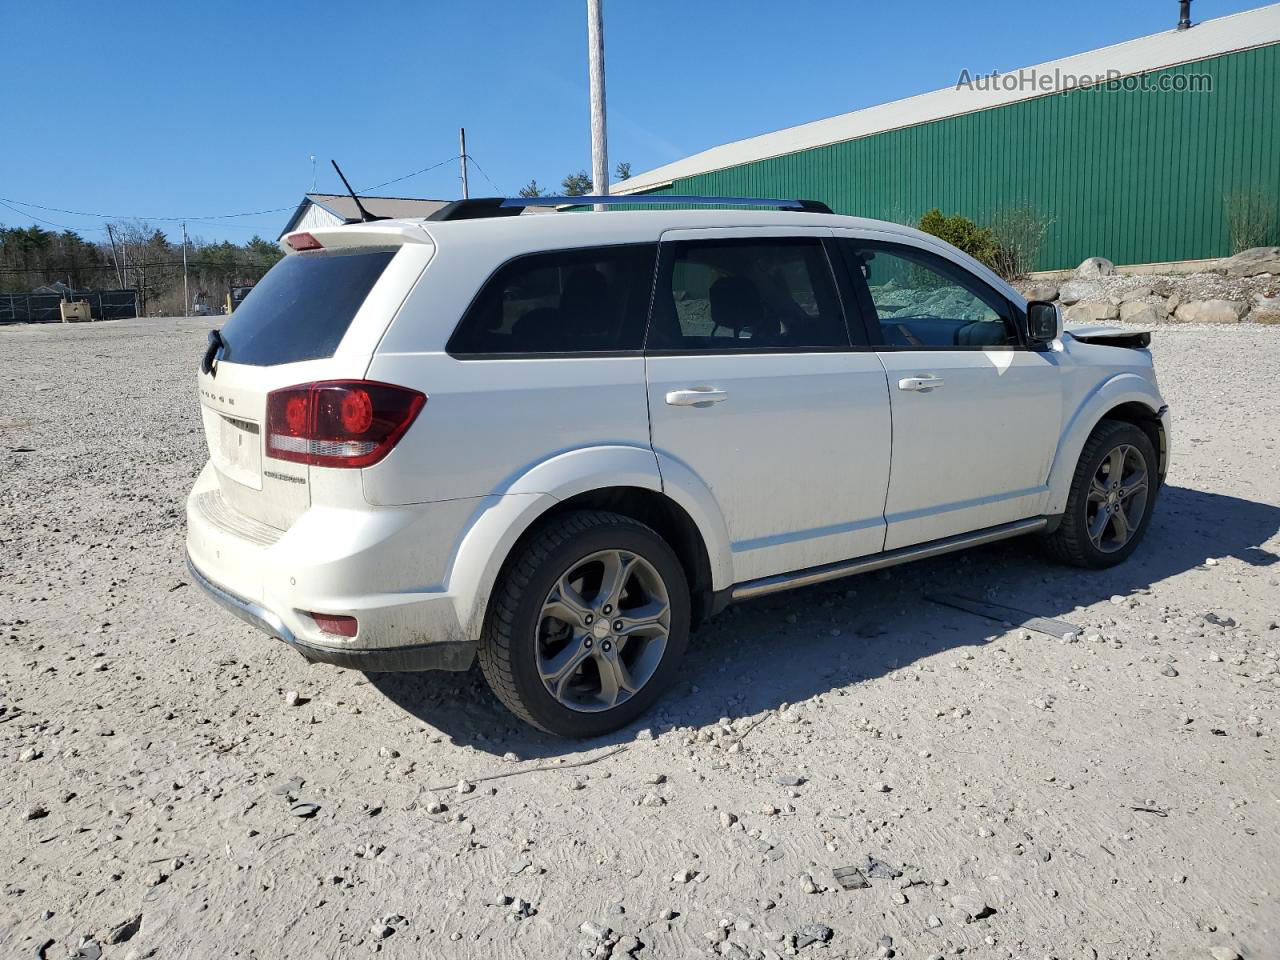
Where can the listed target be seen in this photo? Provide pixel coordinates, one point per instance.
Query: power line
(47, 223)
(496, 188)
(217, 216)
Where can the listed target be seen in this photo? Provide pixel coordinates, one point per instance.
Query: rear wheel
(1112, 493)
(587, 625)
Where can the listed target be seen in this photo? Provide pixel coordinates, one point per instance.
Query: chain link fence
(46, 307)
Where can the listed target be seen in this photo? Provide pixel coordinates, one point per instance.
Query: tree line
(133, 254)
(574, 185)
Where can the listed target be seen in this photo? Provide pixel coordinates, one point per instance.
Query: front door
(755, 387)
(976, 413)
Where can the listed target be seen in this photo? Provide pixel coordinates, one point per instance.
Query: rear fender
(500, 521)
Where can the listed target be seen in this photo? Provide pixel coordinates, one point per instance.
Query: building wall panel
(1138, 177)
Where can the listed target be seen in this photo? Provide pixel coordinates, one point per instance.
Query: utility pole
(114, 258)
(462, 155)
(595, 61)
(186, 290)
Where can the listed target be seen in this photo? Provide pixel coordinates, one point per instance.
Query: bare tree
(1019, 232)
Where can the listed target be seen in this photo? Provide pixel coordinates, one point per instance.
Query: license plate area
(235, 446)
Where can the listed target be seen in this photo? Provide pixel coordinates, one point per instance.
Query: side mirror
(1044, 321)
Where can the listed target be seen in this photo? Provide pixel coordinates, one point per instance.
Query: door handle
(920, 384)
(696, 397)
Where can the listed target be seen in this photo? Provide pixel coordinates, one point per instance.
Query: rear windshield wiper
(216, 345)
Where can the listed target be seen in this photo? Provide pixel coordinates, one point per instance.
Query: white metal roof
(1241, 31)
(342, 207)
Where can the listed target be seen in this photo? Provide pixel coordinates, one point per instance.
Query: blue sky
(194, 109)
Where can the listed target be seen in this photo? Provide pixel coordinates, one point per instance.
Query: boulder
(1073, 291)
(1211, 311)
(1146, 314)
(1265, 310)
(1137, 293)
(1090, 311)
(1251, 263)
(1173, 303)
(1095, 268)
(1042, 291)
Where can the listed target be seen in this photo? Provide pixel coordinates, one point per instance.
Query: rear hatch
(316, 316)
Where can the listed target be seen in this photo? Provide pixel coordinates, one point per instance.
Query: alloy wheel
(1117, 500)
(602, 630)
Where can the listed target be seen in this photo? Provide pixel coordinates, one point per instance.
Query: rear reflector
(337, 625)
(303, 241)
(339, 423)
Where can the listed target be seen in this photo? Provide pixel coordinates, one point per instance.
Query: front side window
(567, 301)
(922, 301)
(773, 293)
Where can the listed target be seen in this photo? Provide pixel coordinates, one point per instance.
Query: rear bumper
(387, 567)
(425, 656)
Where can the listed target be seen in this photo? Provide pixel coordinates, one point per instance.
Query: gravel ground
(1017, 795)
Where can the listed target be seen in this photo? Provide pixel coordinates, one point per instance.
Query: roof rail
(809, 206)
(482, 207)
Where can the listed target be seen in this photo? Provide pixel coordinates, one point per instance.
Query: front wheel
(587, 625)
(1112, 494)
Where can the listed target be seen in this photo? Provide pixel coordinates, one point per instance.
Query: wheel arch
(623, 479)
(654, 509)
(1127, 397)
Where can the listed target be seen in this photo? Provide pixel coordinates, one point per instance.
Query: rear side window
(302, 308)
(568, 301)
(773, 293)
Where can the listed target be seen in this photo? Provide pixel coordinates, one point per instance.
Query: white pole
(462, 155)
(595, 60)
(186, 290)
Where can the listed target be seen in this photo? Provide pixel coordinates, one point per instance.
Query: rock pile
(1242, 288)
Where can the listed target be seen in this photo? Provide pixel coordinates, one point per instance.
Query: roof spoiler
(484, 207)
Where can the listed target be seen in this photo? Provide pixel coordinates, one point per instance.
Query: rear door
(314, 316)
(755, 385)
(976, 412)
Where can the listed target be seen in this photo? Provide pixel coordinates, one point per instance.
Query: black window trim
(663, 262)
(452, 351)
(954, 271)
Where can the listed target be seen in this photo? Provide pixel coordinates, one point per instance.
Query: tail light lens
(339, 423)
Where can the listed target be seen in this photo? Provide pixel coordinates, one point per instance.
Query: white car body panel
(975, 451)
(797, 456)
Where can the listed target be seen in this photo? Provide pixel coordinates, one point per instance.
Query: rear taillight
(339, 423)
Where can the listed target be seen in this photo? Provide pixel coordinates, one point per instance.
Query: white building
(332, 209)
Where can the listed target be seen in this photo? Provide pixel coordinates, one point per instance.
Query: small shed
(332, 209)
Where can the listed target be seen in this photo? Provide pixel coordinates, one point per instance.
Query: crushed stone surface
(844, 771)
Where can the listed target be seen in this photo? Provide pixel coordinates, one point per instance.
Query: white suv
(557, 442)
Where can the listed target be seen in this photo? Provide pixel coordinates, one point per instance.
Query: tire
(1091, 491)
(562, 569)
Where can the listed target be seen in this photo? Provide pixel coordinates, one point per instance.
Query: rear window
(568, 301)
(302, 308)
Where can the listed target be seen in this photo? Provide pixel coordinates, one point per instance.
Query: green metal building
(1141, 167)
